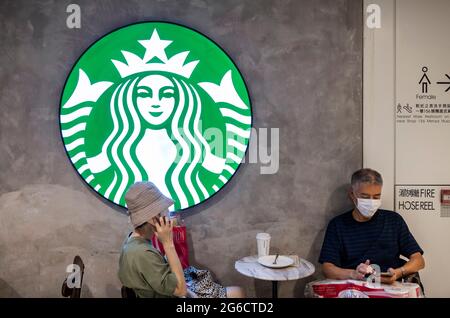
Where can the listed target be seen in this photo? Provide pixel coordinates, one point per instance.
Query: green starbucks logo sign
(160, 102)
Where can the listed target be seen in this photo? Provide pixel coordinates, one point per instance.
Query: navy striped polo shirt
(381, 240)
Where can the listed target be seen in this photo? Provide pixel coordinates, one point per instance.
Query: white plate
(282, 261)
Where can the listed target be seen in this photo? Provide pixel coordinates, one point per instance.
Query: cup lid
(263, 236)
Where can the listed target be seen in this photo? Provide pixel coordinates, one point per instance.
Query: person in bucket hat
(144, 202)
(141, 266)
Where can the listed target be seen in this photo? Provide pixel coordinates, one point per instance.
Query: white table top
(249, 266)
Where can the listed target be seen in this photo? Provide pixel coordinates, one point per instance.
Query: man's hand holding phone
(386, 274)
(390, 276)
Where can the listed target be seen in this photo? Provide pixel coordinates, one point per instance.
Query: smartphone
(386, 274)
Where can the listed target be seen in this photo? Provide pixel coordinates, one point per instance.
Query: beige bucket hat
(144, 201)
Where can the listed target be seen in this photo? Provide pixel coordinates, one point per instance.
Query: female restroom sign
(137, 105)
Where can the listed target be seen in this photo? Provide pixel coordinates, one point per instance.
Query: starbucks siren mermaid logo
(148, 122)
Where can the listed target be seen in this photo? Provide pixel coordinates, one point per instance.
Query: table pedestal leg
(274, 289)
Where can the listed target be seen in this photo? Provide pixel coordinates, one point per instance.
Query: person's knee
(235, 292)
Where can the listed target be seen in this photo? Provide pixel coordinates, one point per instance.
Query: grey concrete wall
(302, 62)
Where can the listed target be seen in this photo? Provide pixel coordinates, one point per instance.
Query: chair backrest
(415, 278)
(127, 292)
(66, 291)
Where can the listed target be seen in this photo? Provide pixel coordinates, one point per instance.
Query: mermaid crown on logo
(155, 47)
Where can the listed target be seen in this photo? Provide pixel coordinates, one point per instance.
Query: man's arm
(408, 246)
(165, 235)
(416, 263)
(332, 271)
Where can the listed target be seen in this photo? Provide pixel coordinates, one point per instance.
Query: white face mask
(368, 207)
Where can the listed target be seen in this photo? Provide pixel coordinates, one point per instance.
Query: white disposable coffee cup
(263, 244)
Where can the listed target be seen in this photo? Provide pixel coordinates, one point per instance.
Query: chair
(414, 278)
(66, 291)
(127, 293)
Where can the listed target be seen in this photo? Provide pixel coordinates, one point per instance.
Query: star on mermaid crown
(155, 47)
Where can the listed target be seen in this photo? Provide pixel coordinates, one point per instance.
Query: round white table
(250, 267)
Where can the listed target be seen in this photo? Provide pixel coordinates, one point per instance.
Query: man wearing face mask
(368, 235)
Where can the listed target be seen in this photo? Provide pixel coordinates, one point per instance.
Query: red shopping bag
(180, 242)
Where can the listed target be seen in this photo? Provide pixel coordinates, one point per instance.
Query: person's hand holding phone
(390, 276)
(164, 230)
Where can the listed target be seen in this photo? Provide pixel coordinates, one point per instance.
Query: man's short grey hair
(366, 176)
